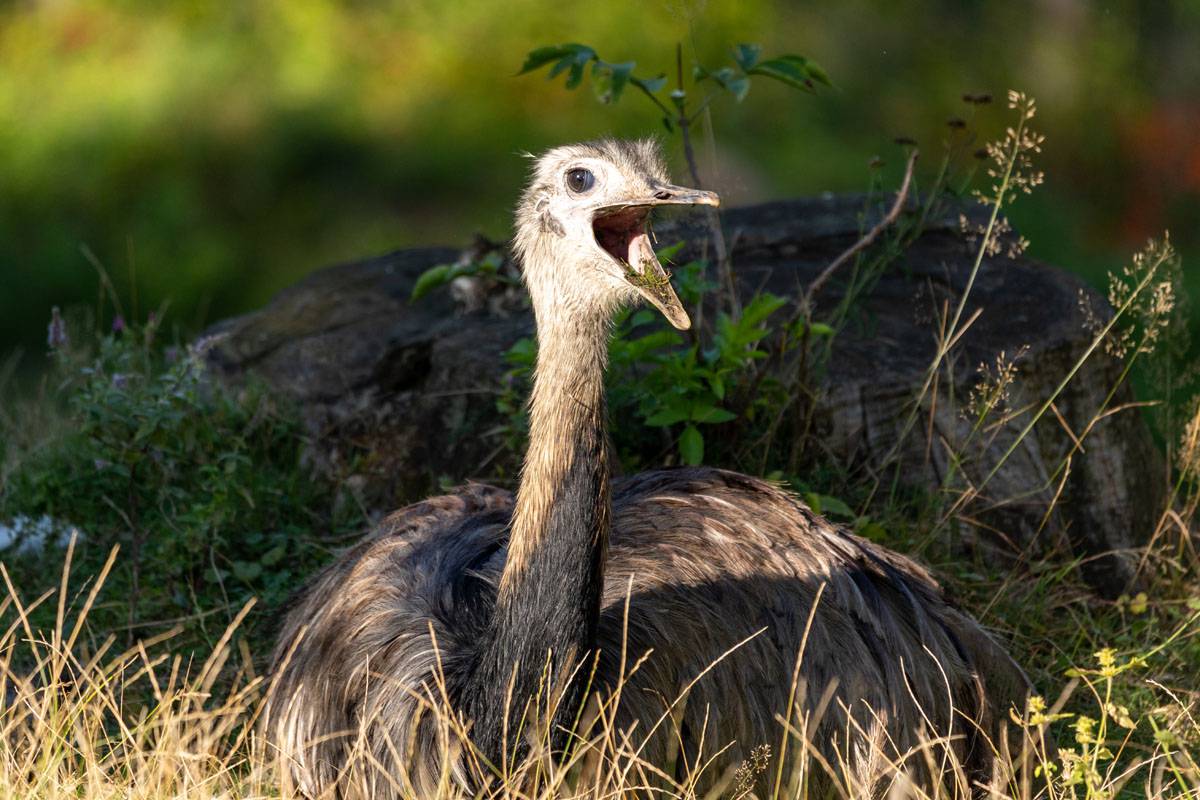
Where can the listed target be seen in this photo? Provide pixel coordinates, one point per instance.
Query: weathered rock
(400, 393)
(406, 393)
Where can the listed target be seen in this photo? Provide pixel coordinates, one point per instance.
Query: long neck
(548, 603)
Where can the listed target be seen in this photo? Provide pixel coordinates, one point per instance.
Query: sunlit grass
(83, 717)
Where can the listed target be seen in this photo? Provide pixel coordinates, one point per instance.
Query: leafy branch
(610, 79)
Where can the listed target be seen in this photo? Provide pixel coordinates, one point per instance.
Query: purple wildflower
(118, 324)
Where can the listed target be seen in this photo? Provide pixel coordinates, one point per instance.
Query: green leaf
(429, 280)
(795, 71)
(667, 416)
(740, 87)
(649, 85)
(522, 353)
(643, 316)
(145, 430)
(760, 307)
(609, 80)
(273, 556)
(817, 73)
(658, 340)
(724, 75)
(246, 570)
(711, 415)
(726, 78)
(575, 77)
(828, 505)
(691, 446)
(871, 530)
(665, 254)
(746, 55)
(784, 72)
(583, 53)
(836, 507)
(569, 58)
(440, 275)
(489, 264)
(560, 67)
(542, 56)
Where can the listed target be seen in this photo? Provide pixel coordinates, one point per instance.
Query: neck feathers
(548, 604)
(564, 482)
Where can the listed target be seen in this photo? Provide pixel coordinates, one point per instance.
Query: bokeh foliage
(211, 153)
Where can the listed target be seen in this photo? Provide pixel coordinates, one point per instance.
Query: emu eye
(580, 180)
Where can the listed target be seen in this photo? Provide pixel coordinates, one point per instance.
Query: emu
(494, 603)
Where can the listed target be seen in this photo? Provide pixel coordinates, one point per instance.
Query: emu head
(583, 229)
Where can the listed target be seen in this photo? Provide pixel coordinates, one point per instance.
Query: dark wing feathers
(707, 558)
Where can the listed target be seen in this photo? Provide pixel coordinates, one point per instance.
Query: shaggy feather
(708, 558)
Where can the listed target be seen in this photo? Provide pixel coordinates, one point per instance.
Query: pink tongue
(640, 252)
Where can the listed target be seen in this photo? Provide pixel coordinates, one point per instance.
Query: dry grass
(81, 719)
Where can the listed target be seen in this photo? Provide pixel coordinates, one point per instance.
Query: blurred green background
(211, 153)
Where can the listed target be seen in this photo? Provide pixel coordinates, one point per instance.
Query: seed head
(1147, 289)
(1011, 156)
(991, 389)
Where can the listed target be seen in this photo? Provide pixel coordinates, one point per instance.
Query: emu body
(476, 599)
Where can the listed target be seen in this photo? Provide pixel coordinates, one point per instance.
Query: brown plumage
(483, 594)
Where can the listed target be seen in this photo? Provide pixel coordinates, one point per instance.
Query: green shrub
(203, 488)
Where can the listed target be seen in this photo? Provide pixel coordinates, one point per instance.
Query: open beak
(623, 231)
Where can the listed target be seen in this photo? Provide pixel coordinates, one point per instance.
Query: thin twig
(871, 235)
(712, 217)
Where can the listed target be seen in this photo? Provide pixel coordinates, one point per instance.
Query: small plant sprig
(659, 377)
(690, 386)
(441, 274)
(610, 79)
